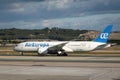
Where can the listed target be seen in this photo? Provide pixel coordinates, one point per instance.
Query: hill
(93, 34)
(46, 33)
(18, 35)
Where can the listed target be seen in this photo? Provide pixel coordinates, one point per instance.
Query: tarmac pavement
(57, 73)
(59, 68)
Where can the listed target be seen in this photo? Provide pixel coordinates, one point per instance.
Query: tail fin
(104, 36)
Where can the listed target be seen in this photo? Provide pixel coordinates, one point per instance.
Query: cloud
(66, 8)
(93, 22)
(75, 14)
(18, 1)
(58, 4)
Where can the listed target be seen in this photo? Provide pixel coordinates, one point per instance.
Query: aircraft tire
(64, 54)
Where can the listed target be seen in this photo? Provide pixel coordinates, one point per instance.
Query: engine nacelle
(42, 50)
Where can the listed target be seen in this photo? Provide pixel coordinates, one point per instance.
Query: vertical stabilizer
(104, 36)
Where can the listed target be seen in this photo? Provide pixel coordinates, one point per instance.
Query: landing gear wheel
(21, 53)
(61, 53)
(65, 54)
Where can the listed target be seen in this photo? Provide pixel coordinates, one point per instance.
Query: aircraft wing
(57, 47)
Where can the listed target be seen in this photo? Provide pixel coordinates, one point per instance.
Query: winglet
(104, 36)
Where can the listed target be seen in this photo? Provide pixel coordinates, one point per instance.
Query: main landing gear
(58, 52)
(62, 53)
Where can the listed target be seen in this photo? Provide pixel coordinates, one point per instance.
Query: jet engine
(42, 51)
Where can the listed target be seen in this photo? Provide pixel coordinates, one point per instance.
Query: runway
(57, 73)
(61, 59)
(59, 68)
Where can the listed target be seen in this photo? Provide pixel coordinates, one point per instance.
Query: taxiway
(59, 68)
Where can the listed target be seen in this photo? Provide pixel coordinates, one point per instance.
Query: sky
(68, 14)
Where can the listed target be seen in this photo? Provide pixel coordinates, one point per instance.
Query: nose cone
(15, 48)
(18, 47)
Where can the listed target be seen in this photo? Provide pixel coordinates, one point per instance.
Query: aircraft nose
(15, 49)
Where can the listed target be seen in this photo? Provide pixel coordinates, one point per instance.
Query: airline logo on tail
(103, 37)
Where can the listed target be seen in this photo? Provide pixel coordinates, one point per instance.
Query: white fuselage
(70, 46)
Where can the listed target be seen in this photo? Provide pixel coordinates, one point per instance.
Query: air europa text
(36, 44)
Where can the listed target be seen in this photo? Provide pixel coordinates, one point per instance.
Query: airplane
(62, 47)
